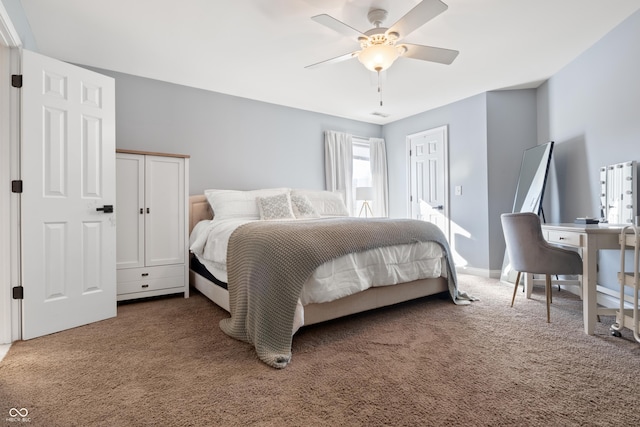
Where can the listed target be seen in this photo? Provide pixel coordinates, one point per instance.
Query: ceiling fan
(379, 45)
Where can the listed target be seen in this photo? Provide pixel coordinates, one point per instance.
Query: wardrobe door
(129, 210)
(164, 210)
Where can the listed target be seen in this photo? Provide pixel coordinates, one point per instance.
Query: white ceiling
(258, 48)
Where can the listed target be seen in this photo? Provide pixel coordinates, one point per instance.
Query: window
(361, 167)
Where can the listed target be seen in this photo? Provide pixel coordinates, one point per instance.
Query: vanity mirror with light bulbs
(618, 202)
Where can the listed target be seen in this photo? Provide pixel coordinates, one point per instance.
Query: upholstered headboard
(199, 209)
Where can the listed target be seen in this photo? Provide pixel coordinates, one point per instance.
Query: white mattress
(335, 279)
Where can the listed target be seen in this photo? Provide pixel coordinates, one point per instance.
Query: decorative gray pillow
(275, 207)
(302, 207)
(326, 203)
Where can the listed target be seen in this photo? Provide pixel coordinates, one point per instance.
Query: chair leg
(515, 288)
(547, 291)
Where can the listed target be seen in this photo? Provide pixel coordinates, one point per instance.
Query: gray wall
(487, 135)
(511, 129)
(591, 109)
(245, 144)
(467, 131)
(233, 142)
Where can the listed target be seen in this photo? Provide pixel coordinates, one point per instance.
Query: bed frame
(315, 313)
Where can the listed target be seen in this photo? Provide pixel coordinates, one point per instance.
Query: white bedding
(341, 277)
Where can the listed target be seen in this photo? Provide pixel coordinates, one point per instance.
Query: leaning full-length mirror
(530, 190)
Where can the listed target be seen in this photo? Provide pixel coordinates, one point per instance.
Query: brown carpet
(424, 363)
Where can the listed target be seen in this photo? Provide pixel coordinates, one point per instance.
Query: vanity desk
(589, 238)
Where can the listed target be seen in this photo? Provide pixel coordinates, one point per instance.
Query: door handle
(106, 209)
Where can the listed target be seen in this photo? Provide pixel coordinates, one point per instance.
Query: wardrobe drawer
(150, 273)
(150, 285)
(564, 238)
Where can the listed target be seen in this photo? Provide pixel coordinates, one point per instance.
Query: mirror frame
(532, 181)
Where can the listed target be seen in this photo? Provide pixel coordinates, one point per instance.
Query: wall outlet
(458, 190)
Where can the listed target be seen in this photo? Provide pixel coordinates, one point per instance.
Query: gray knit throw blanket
(268, 262)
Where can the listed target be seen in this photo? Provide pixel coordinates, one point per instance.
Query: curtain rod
(355, 136)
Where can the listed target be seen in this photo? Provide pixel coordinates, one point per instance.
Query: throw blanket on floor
(268, 262)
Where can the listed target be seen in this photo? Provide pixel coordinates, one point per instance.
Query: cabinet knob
(145, 286)
(144, 274)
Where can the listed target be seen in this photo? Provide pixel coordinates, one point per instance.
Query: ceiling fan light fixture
(378, 57)
(378, 45)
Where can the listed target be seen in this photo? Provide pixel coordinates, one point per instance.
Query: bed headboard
(199, 209)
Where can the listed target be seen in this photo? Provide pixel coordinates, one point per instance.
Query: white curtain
(338, 165)
(378, 161)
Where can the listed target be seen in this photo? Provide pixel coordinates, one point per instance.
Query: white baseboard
(4, 348)
(482, 272)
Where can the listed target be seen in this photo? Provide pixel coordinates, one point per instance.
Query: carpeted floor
(424, 363)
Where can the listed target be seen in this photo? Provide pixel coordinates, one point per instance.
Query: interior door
(429, 197)
(68, 169)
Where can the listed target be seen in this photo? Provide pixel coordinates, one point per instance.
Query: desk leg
(589, 282)
(528, 284)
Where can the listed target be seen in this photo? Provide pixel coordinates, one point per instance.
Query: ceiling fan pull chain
(379, 88)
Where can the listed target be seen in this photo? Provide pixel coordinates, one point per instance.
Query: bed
(307, 310)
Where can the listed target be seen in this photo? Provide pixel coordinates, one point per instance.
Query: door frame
(10, 45)
(445, 130)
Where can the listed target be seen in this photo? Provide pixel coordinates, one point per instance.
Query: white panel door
(165, 210)
(68, 164)
(429, 177)
(130, 215)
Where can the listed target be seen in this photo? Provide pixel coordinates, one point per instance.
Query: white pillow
(238, 204)
(275, 207)
(326, 203)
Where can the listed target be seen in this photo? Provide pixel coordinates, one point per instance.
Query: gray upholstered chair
(529, 252)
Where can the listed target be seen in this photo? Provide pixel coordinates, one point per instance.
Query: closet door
(164, 210)
(130, 210)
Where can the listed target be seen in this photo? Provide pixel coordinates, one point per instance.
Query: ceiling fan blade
(334, 60)
(429, 53)
(339, 26)
(423, 12)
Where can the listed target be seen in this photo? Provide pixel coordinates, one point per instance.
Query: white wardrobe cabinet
(151, 221)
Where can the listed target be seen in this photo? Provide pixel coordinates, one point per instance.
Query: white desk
(590, 239)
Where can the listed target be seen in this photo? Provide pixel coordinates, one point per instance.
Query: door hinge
(18, 292)
(16, 186)
(16, 80)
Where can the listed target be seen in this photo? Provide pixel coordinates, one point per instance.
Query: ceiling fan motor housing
(377, 17)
